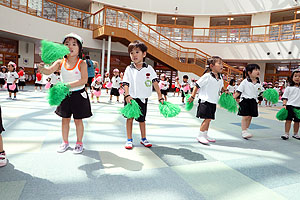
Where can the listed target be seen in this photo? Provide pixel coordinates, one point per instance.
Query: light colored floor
(176, 167)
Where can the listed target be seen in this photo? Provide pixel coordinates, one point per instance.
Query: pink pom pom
(12, 87)
(186, 88)
(47, 86)
(97, 93)
(121, 91)
(5, 86)
(109, 85)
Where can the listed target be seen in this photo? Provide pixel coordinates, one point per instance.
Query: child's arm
(127, 97)
(236, 96)
(156, 87)
(84, 76)
(51, 69)
(193, 95)
(284, 101)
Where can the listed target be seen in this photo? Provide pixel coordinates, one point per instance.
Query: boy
(3, 160)
(183, 84)
(138, 80)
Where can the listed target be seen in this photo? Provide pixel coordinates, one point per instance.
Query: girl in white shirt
(231, 87)
(248, 91)
(12, 77)
(3, 74)
(116, 81)
(291, 100)
(210, 86)
(163, 83)
(106, 81)
(21, 74)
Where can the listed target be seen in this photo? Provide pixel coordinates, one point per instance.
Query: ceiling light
(230, 18)
(174, 18)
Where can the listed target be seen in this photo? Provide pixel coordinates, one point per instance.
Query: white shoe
(63, 147)
(146, 143)
(78, 149)
(202, 140)
(128, 145)
(109, 101)
(246, 135)
(209, 138)
(93, 101)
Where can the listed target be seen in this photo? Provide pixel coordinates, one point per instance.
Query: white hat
(12, 63)
(73, 35)
(116, 70)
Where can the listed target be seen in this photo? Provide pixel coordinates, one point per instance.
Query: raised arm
(49, 70)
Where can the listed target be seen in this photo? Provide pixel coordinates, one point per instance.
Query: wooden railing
(52, 11)
(116, 18)
(242, 34)
(124, 20)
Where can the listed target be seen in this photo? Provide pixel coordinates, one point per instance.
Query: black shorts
(38, 85)
(206, 110)
(12, 91)
(164, 92)
(1, 125)
(184, 93)
(2, 81)
(143, 106)
(89, 82)
(21, 83)
(115, 92)
(77, 104)
(291, 115)
(248, 107)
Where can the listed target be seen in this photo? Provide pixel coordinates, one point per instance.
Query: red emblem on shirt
(148, 75)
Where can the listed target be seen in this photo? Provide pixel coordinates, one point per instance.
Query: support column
(108, 54)
(103, 56)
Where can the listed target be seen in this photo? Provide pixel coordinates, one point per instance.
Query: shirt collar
(132, 65)
(249, 80)
(213, 75)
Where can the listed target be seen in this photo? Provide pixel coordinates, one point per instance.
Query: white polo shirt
(183, 84)
(210, 88)
(231, 88)
(116, 82)
(12, 76)
(95, 85)
(2, 75)
(165, 84)
(139, 80)
(292, 94)
(54, 78)
(249, 90)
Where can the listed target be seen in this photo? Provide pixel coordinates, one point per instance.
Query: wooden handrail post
(117, 24)
(148, 34)
(27, 6)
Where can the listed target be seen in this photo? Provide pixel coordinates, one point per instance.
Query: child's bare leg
(296, 128)
(65, 126)
(287, 126)
(143, 129)
(79, 129)
(1, 144)
(129, 123)
(205, 125)
(245, 122)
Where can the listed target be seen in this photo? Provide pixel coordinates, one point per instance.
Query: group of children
(138, 81)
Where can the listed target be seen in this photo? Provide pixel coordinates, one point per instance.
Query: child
(115, 86)
(3, 74)
(230, 87)
(74, 73)
(21, 74)
(96, 87)
(193, 84)
(163, 86)
(248, 91)
(3, 160)
(210, 86)
(268, 103)
(38, 81)
(177, 86)
(291, 100)
(182, 85)
(106, 81)
(138, 80)
(54, 78)
(12, 77)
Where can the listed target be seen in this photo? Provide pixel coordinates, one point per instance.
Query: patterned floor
(175, 168)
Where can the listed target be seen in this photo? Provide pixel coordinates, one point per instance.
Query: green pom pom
(188, 106)
(282, 114)
(168, 109)
(131, 110)
(228, 102)
(58, 93)
(297, 112)
(52, 51)
(271, 95)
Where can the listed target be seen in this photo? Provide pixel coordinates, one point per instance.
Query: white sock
(201, 133)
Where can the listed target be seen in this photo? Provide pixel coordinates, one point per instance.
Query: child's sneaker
(63, 147)
(15, 98)
(296, 137)
(93, 101)
(98, 101)
(246, 135)
(202, 140)
(210, 139)
(3, 160)
(9, 98)
(285, 137)
(109, 101)
(78, 149)
(128, 145)
(146, 143)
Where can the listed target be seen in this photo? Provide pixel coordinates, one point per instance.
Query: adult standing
(91, 71)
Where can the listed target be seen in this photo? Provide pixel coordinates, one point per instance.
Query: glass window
(219, 21)
(175, 20)
(185, 21)
(165, 19)
(231, 21)
(240, 21)
(283, 16)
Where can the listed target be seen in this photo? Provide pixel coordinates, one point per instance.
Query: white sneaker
(128, 145)
(109, 101)
(3, 160)
(246, 135)
(93, 101)
(202, 140)
(209, 138)
(78, 149)
(63, 147)
(146, 143)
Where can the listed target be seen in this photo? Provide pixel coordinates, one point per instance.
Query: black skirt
(248, 107)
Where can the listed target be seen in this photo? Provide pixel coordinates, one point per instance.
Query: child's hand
(161, 100)
(128, 99)
(41, 66)
(191, 99)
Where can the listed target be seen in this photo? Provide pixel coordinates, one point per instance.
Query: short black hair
(137, 44)
(250, 68)
(87, 57)
(290, 79)
(185, 76)
(231, 82)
